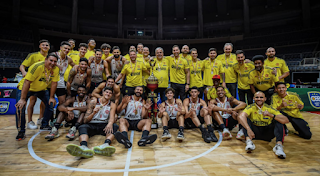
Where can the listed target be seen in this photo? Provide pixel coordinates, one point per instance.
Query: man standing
(146, 61)
(228, 59)
(196, 72)
(140, 51)
(277, 63)
(116, 63)
(179, 73)
(91, 46)
(39, 76)
(98, 67)
(290, 104)
(76, 58)
(185, 53)
(106, 48)
(73, 44)
(260, 121)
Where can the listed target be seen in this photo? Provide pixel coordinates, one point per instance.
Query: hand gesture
(162, 109)
(21, 103)
(108, 129)
(284, 103)
(125, 99)
(148, 104)
(247, 61)
(96, 109)
(179, 108)
(266, 113)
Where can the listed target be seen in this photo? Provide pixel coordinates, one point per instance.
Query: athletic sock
(201, 128)
(181, 128)
(210, 128)
(77, 125)
(145, 133)
(84, 143)
(165, 128)
(222, 126)
(107, 141)
(57, 125)
(124, 133)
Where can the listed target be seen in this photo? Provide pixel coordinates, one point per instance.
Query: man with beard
(179, 73)
(135, 119)
(76, 58)
(185, 53)
(224, 113)
(133, 72)
(228, 60)
(73, 44)
(91, 46)
(110, 83)
(146, 60)
(98, 67)
(140, 51)
(79, 75)
(73, 110)
(290, 104)
(260, 121)
(262, 78)
(99, 120)
(196, 114)
(277, 63)
(39, 76)
(116, 63)
(171, 112)
(131, 48)
(106, 48)
(196, 72)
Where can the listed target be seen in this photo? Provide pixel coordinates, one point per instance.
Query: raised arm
(70, 61)
(123, 104)
(96, 92)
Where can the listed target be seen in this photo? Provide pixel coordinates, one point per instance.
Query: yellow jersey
(133, 73)
(177, 69)
(279, 64)
(212, 93)
(228, 63)
(73, 52)
(195, 73)
(264, 80)
(161, 71)
(89, 54)
(139, 56)
(243, 74)
(292, 99)
(139, 59)
(257, 118)
(33, 58)
(211, 68)
(188, 57)
(20, 84)
(41, 77)
(104, 57)
(144, 74)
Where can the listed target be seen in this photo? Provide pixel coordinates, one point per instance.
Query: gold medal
(260, 111)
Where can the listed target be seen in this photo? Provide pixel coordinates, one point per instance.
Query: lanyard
(177, 64)
(260, 109)
(195, 68)
(212, 66)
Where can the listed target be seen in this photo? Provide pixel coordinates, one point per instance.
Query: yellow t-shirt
(36, 74)
(20, 84)
(243, 74)
(228, 62)
(264, 80)
(73, 52)
(188, 57)
(279, 64)
(33, 58)
(212, 93)
(177, 74)
(144, 74)
(163, 73)
(139, 59)
(195, 74)
(104, 57)
(211, 68)
(292, 99)
(258, 119)
(89, 54)
(139, 56)
(133, 73)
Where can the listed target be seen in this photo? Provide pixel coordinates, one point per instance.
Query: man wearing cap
(212, 92)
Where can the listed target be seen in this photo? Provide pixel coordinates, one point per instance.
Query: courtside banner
(309, 96)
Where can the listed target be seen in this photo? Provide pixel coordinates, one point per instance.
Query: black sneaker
(180, 136)
(20, 136)
(213, 136)
(166, 135)
(147, 140)
(45, 128)
(122, 139)
(206, 137)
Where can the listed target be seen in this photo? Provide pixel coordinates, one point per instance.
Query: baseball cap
(216, 77)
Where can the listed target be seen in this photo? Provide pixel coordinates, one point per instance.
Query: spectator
(4, 79)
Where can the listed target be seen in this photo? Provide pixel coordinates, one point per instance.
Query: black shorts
(188, 123)
(230, 122)
(92, 129)
(173, 123)
(133, 125)
(61, 92)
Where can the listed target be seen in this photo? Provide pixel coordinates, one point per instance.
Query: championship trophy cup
(152, 84)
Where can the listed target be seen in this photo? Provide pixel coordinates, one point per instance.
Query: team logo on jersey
(4, 106)
(277, 64)
(138, 66)
(266, 75)
(314, 98)
(107, 111)
(246, 68)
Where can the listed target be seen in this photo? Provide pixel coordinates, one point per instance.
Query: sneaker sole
(149, 140)
(75, 150)
(122, 140)
(165, 137)
(52, 137)
(108, 151)
(180, 138)
(279, 156)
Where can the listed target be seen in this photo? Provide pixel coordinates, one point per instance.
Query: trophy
(152, 84)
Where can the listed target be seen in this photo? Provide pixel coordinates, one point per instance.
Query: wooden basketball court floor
(191, 157)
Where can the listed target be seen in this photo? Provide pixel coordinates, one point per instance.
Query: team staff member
(212, 92)
(133, 72)
(91, 46)
(146, 61)
(179, 73)
(196, 72)
(76, 58)
(243, 69)
(73, 44)
(185, 53)
(261, 121)
(275, 62)
(39, 76)
(140, 51)
(229, 59)
(290, 104)
(131, 48)
(262, 78)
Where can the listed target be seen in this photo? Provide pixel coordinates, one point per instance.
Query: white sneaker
(104, 149)
(31, 125)
(250, 146)
(226, 134)
(278, 150)
(240, 135)
(39, 121)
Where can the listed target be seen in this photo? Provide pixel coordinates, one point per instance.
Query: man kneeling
(135, 109)
(99, 119)
(261, 121)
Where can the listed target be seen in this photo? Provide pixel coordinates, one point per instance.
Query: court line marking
(126, 173)
(32, 153)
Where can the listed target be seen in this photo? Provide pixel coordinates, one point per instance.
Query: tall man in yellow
(140, 51)
(179, 73)
(262, 78)
(277, 63)
(290, 104)
(91, 46)
(73, 44)
(39, 76)
(185, 54)
(133, 72)
(146, 61)
(161, 71)
(229, 59)
(196, 72)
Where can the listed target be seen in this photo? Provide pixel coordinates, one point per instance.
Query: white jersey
(116, 67)
(77, 103)
(172, 109)
(97, 71)
(195, 106)
(225, 105)
(64, 64)
(103, 114)
(134, 109)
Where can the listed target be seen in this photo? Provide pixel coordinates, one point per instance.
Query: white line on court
(129, 155)
(32, 153)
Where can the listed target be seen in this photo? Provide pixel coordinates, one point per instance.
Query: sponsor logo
(7, 93)
(4, 106)
(314, 98)
(277, 64)
(266, 75)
